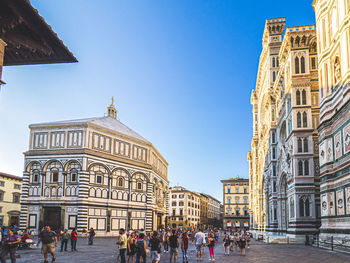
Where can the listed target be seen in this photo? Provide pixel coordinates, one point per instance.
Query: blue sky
(181, 73)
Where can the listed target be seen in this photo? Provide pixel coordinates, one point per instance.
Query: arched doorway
(284, 203)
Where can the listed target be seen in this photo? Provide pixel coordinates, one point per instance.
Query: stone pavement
(104, 250)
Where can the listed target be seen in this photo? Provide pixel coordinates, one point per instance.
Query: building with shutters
(236, 203)
(184, 208)
(93, 172)
(10, 197)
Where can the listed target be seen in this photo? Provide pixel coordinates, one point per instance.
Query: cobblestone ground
(104, 250)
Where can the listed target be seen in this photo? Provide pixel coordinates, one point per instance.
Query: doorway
(14, 220)
(52, 217)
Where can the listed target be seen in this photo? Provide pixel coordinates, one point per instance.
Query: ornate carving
(337, 69)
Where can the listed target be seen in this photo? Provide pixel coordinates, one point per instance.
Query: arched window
(304, 119)
(299, 120)
(307, 207)
(273, 76)
(273, 62)
(54, 176)
(296, 65)
(304, 97)
(302, 62)
(229, 200)
(139, 185)
(306, 167)
(298, 97)
(300, 167)
(120, 182)
(35, 177)
(306, 145)
(277, 62)
(301, 207)
(300, 145)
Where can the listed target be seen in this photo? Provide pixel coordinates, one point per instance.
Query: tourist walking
(131, 247)
(91, 236)
(48, 238)
(65, 236)
(248, 239)
(174, 245)
(200, 242)
(184, 247)
(9, 247)
(232, 240)
(74, 239)
(156, 246)
(242, 243)
(123, 245)
(211, 245)
(141, 249)
(165, 241)
(227, 245)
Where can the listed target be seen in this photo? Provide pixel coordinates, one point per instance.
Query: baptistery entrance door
(52, 217)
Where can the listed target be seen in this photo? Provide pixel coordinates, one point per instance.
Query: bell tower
(111, 110)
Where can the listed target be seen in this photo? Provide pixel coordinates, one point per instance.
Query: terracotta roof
(29, 39)
(11, 176)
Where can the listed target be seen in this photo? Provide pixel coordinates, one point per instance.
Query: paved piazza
(104, 250)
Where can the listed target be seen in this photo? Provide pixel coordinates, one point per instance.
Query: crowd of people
(135, 246)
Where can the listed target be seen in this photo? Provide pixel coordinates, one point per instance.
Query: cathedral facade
(263, 120)
(333, 36)
(291, 170)
(283, 161)
(93, 172)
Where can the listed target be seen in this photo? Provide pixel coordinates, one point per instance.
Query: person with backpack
(65, 236)
(174, 244)
(200, 242)
(156, 245)
(211, 245)
(141, 249)
(48, 238)
(91, 236)
(227, 244)
(73, 239)
(184, 247)
(10, 245)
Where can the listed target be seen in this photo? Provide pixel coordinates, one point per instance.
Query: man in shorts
(156, 245)
(48, 237)
(174, 244)
(200, 241)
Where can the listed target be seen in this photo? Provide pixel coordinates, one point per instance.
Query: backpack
(140, 245)
(173, 241)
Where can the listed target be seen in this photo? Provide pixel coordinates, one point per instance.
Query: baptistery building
(93, 172)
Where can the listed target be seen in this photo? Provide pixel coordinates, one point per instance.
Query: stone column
(82, 220)
(24, 200)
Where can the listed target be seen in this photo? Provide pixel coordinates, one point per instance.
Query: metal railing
(334, 244)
